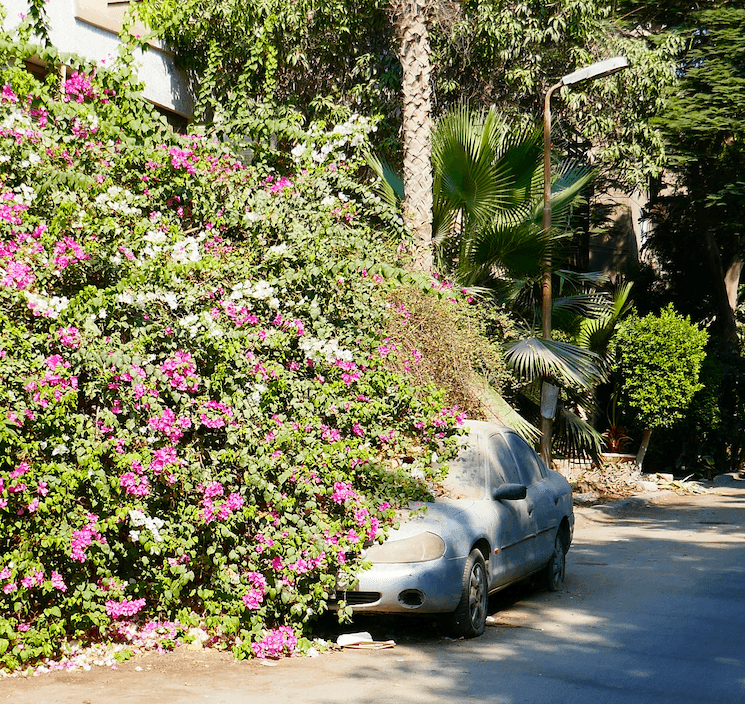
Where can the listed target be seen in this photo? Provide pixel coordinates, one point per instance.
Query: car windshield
(465, 479)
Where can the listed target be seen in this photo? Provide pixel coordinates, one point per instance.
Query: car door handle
(530, 509)
(556, 500)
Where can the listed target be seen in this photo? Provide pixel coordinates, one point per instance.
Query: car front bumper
(411, 587)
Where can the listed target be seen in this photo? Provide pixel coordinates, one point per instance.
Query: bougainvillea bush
(199, 423)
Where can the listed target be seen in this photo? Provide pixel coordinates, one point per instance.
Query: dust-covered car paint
(503, 517)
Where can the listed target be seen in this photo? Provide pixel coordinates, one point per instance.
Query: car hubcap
(477, 594)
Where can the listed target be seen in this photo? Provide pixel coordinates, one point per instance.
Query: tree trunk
(646, 435)
(732, 282)
(726, 322)
(411, 18)
(549, 398)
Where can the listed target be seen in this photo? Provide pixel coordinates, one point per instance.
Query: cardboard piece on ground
(374, 645)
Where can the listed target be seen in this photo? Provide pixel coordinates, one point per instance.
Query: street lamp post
(549, 393)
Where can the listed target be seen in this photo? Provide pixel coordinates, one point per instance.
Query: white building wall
(165, 85)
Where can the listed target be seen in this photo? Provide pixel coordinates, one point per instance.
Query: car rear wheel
(553, 574)
(469, 619)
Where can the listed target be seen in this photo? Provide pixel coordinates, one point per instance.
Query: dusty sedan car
(504, 517)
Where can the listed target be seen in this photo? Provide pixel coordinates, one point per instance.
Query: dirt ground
(705, 525)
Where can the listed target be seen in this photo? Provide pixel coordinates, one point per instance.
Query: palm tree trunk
(411, 19)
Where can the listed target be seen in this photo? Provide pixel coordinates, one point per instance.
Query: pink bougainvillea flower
(57, 582)
(253, 599)
(180, 369)
(213, 489)
(7, 95)
(164, 457)
(330, 434)
(18, 275)
(126, 607)
(19, 471)
(215, 414)
(69, 337)
(79, 86)
(255, 595)
(134, 484)
(276, 643)
(235, 502)
(83, 538)
(343, 492)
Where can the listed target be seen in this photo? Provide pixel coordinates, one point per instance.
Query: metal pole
(547, 297)
(549, 393)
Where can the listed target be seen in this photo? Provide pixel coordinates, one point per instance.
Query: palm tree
(488, 210)
(411, 18)
(488, 197)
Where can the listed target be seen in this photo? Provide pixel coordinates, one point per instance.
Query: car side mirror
(510, 492)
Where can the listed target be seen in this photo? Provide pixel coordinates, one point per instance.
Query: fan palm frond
(463, 154)
(574, 177)
(580, 280)
(595, 333)
(591, 305)
(508, 416)
(390, 187)
(568, 364)
(575, 437)
(517, 249)
(520, 163)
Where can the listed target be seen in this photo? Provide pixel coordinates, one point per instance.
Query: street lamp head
(597, 70)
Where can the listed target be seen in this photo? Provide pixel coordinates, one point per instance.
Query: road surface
(652, 612)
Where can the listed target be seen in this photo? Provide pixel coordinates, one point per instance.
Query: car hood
(434, 517)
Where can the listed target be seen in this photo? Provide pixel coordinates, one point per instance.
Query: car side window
(502, 465)
(531, 468)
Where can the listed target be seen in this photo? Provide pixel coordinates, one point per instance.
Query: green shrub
(658, 360)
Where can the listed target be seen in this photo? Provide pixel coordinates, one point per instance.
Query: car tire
(553, 573)
(469, 619)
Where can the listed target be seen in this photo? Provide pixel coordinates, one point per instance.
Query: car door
(541, 498)
(515, 532)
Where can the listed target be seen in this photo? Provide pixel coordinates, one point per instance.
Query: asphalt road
(653, 612)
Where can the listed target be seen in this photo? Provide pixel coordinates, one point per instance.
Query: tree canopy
(699, 217)
(321, 60)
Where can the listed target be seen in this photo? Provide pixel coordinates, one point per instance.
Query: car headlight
(420, 548)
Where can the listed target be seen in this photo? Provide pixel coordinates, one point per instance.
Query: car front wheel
(469, 619)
